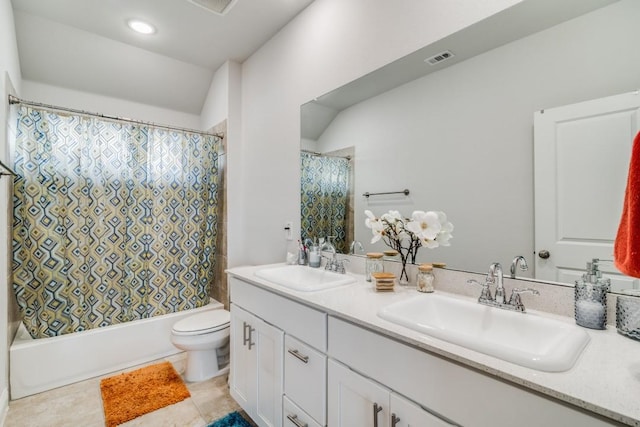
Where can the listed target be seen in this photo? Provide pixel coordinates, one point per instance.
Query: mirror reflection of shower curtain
(113, 221)
(324, 198)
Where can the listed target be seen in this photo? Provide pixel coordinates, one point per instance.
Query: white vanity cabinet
(293, 365)
(302, 371)
(463, 395)
(256, 370)
(358, 401)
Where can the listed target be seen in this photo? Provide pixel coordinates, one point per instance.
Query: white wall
(94, 103)
(10, 83)
(327, 45)
(223, 103)
(216, 104)
(461, 139)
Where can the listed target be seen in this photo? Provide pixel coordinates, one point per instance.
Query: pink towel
(626, 250)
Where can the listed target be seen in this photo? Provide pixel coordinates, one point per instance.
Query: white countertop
(604, 380)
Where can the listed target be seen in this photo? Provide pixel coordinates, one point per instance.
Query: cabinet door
(269, 343)
(354, 400)
(256, 367)
(407, 414)
(243, 367)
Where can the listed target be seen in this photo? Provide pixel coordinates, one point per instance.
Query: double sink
(526, 339)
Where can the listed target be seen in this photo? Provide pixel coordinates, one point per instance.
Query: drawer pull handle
(295, 421)
(296, 353)
(394, 420)
(244, 333)
(376, 409)
(246, 337)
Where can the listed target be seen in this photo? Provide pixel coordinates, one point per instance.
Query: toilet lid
(202, 323)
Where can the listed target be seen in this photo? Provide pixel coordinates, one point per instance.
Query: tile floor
(80, 405)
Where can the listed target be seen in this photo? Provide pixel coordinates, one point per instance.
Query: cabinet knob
(544, 254)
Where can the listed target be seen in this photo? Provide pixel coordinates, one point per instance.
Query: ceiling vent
(439, 57)
(219, 7)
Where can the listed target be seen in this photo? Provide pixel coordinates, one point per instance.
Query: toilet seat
(203, 323)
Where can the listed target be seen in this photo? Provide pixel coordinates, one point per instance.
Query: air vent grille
(219, 7)
(439, 57)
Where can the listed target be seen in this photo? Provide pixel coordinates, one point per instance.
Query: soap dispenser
(314, 255)
(591, 298)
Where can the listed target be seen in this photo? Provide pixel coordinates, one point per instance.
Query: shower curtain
(113, 221)
(324, 193)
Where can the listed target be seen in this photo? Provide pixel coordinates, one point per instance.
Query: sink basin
(305, 279)
(525, 339)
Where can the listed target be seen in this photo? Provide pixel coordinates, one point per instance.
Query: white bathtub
(46, 363)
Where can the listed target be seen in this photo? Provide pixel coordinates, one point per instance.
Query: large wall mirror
(460, 134)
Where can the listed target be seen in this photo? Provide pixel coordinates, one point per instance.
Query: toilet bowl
(205, 339)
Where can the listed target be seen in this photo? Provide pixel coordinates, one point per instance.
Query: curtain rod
(15, 100)
(315, 153)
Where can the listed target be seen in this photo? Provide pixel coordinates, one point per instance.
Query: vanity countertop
(604, 380)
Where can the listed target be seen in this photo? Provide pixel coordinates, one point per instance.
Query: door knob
(544, 254)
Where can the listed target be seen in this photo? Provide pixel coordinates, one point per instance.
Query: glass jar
(591, 303)
(628, 313)
(425, 278)
(373, 264)
(391, 255)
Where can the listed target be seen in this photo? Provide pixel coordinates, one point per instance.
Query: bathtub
(46, 363)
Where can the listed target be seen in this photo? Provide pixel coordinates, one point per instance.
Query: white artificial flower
(377, 230)
(392, 216)
(430, 228)
(425, 225)
(445, 232)
(394, 221)
(430, 244)
(443, 238)
(376, 226)
(371, 218)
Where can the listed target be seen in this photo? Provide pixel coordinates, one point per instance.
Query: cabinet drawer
(293, 416)
(307, 324)
(305, 373)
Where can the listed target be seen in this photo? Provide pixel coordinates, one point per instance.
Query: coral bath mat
(131, 394)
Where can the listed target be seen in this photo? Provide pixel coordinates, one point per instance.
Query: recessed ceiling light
(141, 27)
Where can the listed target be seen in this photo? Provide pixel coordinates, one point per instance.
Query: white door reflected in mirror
(581, 158)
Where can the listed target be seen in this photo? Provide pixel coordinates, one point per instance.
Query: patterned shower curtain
(324, 192)
(113, 221)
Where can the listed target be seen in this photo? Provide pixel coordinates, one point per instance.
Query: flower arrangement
(429, 229)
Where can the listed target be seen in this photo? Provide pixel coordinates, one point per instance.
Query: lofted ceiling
(86, 45)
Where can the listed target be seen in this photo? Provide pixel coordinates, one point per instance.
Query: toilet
(205, 338)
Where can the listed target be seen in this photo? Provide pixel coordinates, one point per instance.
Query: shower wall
(219, 291)
(10, 83)
(6, 223)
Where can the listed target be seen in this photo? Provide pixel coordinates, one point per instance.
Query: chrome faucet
(333, 263)
(355, 246)
(519, 260)
(495, 277)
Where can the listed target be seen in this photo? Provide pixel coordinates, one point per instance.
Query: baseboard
(4, 406)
